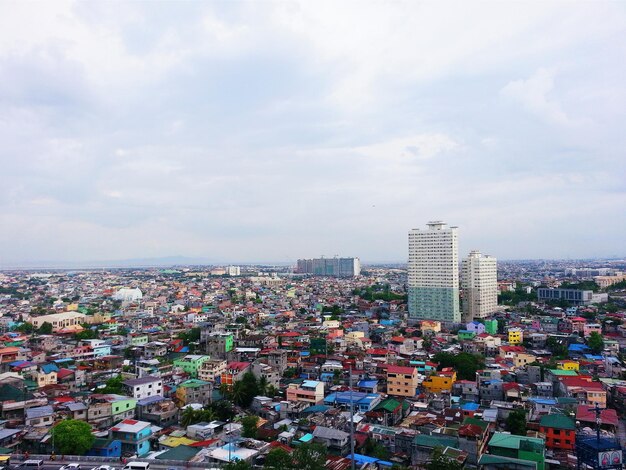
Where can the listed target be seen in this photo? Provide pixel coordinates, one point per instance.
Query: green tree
(278, 459)
(373, 448)
(465, 364)
(516, 422)
(262, 385)
(187, 417)
(113, 385)
(26, 328)
(441, 462)
(595, 342)
(45, 328)
(249, 424)
(237, 465)
(72, 437)
(310, 457)
(87, 333)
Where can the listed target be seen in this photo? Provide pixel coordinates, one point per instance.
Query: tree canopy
(249, 424)
(72, 436)
(310, 457)
(465, 364)
(595, 342)
(516, 422)
(441, 462)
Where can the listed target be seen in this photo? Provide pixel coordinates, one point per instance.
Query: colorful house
(560, 431)
(402, 381)
(191, 363)
(568, 365)
(134, 436)
(491, 327)
(516, 336)
(509, 447)
(441, 381)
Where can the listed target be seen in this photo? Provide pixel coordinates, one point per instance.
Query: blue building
(134, 436)
(362, 402)
(106, 448)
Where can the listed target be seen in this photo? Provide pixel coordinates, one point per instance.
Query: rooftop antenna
(598, 411)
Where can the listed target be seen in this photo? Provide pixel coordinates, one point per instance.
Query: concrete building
(402, 381)
(574, 296)
(59, 321)
(480, 286)
(340, 267)
(434, 274)
(143, 387)
(233, 271)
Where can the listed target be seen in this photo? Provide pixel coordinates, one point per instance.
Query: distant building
(480, 286)
(128, 295)
(233, 271)
(574, 296)
(340, 267)
(434, 274)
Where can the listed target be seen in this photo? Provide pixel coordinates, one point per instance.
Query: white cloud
(135, 129)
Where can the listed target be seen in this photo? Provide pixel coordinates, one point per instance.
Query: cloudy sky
(270, 131)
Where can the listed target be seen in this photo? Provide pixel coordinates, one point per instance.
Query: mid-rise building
(340, 267)
(480, 286)
(434, 274)
(233, 270)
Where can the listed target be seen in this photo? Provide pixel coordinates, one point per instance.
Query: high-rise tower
(434, 273)
(479, 279)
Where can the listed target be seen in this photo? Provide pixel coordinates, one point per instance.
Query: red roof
(207, 443)
(400, 370)
(587, 413)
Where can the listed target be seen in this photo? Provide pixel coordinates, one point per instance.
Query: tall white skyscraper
(479, 279)
(434, 273)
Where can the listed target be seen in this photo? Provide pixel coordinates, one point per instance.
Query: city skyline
(274, 131)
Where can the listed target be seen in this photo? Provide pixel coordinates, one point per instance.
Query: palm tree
(262, 385)
(188, 416)
(225, 390)
(208, 415)
(238, 393)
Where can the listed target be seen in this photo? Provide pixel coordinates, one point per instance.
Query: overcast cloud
(249, 131)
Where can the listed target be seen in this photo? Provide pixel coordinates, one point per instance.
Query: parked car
(71, 466)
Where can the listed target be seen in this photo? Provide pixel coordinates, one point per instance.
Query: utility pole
(352, 463)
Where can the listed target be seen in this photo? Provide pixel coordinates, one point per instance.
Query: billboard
(610, 458)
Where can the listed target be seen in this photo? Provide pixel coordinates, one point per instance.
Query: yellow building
(568, 365)
(516, 336)
(59, 321)
(402, 381)
(98, 318)
(430, 326)
(523, 359)
(441, 381)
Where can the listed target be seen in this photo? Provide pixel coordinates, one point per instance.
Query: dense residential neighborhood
(260, 367)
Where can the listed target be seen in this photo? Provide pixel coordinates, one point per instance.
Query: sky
(272, 131)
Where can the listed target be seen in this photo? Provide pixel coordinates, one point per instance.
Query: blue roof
(595, 357)
(149, 400)
(306, 438)
(367, 383)
(305, 353)
(543, 401)
(470, 406)
(47, 368)
(67, 359)
(357, 397)
(365, 459)
(578, 347)
(316, 409)
(20, 363)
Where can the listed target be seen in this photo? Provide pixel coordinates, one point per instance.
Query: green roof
(558, 421)
(486, 459)
(570, 373)
(388, 404)
(478, 422)
(193, 383)
(433, 441)
(512, 441)
(181, 452)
